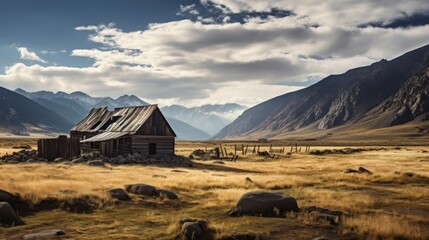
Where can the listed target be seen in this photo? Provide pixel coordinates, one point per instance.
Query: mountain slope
(332, 102)
(410, 103)
(209, 118)
(19, 114)
(185, 131)
(67, 109)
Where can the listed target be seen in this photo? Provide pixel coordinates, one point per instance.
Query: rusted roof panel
(105, 136)
(131, 118)
(93, 121)
(128, 119)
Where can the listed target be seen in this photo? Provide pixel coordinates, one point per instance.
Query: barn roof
(105, 136)
(127, 119)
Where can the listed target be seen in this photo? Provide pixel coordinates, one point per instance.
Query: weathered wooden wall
(58, 147)
(164, 144)
(156, 125)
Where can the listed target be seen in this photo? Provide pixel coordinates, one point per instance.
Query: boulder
(167, 194)
(96, 163)
(8, 215)
(142, 189)
(193, 229)
(47, 234)
(21, 207)
(265, 204)
(119, 194)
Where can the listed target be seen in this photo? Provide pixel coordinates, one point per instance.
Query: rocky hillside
(410, 103)
(332, 102)
(20, 115)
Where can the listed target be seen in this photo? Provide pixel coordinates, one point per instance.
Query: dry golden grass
(386, 204)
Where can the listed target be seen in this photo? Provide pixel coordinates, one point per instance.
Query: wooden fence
(58, 147)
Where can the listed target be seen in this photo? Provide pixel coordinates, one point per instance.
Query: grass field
(392, 203)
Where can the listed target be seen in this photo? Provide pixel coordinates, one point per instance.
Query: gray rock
(119, 194)
(47, 234)
(96, 163)
(16, 202)
(59, 160)
(142, 189)
(193, 229)
(320, 238)
(266, 204)
(323, 214)
(78, 160)
(8, 215)
(167, 194)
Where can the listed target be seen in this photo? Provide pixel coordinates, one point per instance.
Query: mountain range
(20, 115)
(381, 95)
(210, 118)
(75, 106)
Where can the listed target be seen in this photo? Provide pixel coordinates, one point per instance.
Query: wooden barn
(126, 130)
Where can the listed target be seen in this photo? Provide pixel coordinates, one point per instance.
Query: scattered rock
(59, 160)
(142, 189)
(364, 170)
(19, 205)
(194, 229)
(265, 204)
(320, 238)
(120, 194)
(8, 215)
(408, 174)
(77, 205)
(78, 160)
(323, 214)
(96, 163)
(178, 171)
(47, 234)
(167, 194)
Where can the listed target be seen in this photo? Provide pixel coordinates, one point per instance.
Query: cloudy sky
(194, 52)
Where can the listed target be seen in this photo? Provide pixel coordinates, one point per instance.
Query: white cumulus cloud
(28, 55)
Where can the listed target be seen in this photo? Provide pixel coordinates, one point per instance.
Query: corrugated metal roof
(105, 136)
(93, 121)
(129, 119)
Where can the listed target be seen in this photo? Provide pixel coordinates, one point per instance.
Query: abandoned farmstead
(126, 130)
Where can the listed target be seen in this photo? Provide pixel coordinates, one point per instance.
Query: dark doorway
(152, 148)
